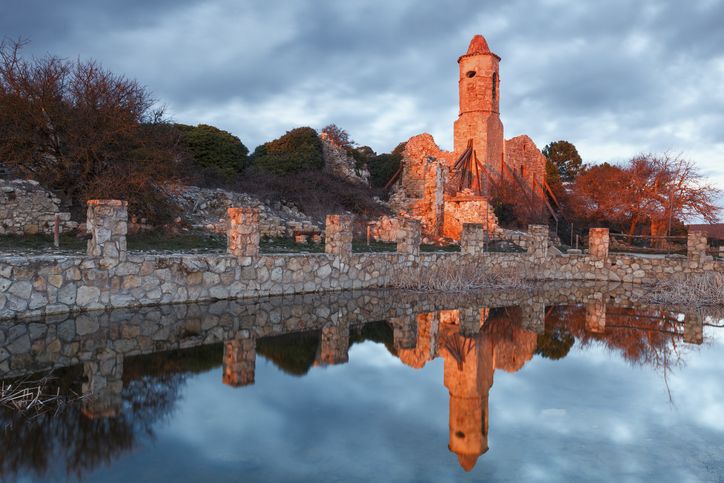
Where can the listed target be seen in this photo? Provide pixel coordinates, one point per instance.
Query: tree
(338, 136)
(298, 150)
(83, 131)
(565, 157)
(648, 189)
(216, 152)
(383, 166)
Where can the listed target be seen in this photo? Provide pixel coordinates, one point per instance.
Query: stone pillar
(533, 315)
(107, 223)
(471, 320)
(598, 241)
(693, 328)
(696, 245)
(538, 241)
(103, 385)
(409, 236)
(338, 235)
(596, 317)
(240, 360)
(472, 240)
(334, 346)
(404, 332)
(242, 232)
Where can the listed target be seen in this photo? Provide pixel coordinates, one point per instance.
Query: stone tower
(479, 119)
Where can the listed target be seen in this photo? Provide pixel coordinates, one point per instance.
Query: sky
(615, 77)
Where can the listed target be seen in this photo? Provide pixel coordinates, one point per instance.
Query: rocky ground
(205, 209)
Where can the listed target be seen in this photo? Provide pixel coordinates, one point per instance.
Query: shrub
(298, 150)
(218, 153)
(383, 166)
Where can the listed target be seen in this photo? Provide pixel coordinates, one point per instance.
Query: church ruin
(448, 189)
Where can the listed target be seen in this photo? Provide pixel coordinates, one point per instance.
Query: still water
(372, 387)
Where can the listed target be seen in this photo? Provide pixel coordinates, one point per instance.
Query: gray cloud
(615, 77)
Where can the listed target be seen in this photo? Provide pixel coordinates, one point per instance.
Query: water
(327, 389)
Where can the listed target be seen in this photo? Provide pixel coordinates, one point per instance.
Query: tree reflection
(78, 443)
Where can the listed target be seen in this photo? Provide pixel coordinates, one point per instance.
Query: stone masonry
(538, 241)
(696, 245)
(243, 232)
(598, 241)
(338, 235)
(472, 240)
(432, 188)
(107, 223)
(409, 236)
(112, 278)
(26, 208)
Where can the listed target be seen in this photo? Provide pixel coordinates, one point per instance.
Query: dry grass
(35, 396)
(471, 276)
(698, 289)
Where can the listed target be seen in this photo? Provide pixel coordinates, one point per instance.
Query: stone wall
(338, 162)
(526, 159)
(108, 278)
(26, 208)
(206, 209)
(467, 208)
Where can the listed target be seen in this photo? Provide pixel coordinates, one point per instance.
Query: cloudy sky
(614, 77)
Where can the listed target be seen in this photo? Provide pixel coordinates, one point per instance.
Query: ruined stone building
(447, 189)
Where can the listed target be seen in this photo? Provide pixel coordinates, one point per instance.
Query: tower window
(470, 73)
(495, 84)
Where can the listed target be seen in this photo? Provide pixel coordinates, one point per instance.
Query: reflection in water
(136, 382)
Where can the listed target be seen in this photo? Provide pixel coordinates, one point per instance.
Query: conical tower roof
(478, 45)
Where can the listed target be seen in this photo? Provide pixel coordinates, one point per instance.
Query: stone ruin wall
(109, 277)
(421, 193)
(26, 208)
(521, 151)
(341, 164)
(206, 209)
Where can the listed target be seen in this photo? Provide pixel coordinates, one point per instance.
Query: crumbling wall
(26, 208)
(467, 208)
(339, 163)
(206, 209)
(525, 158)
(420, 192)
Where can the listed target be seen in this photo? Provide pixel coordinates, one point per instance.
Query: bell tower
(479, 90)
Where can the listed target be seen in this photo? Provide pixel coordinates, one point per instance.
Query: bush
(217, 152)
(298, 150)
(315, 193)
(383, 166)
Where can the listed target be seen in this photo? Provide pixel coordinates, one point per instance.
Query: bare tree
(80, 129)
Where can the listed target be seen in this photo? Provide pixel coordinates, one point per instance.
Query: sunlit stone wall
(243, 232)
(598, 241)
(111, 277)
(338, 235)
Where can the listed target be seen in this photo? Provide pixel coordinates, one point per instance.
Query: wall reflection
(135, 373)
